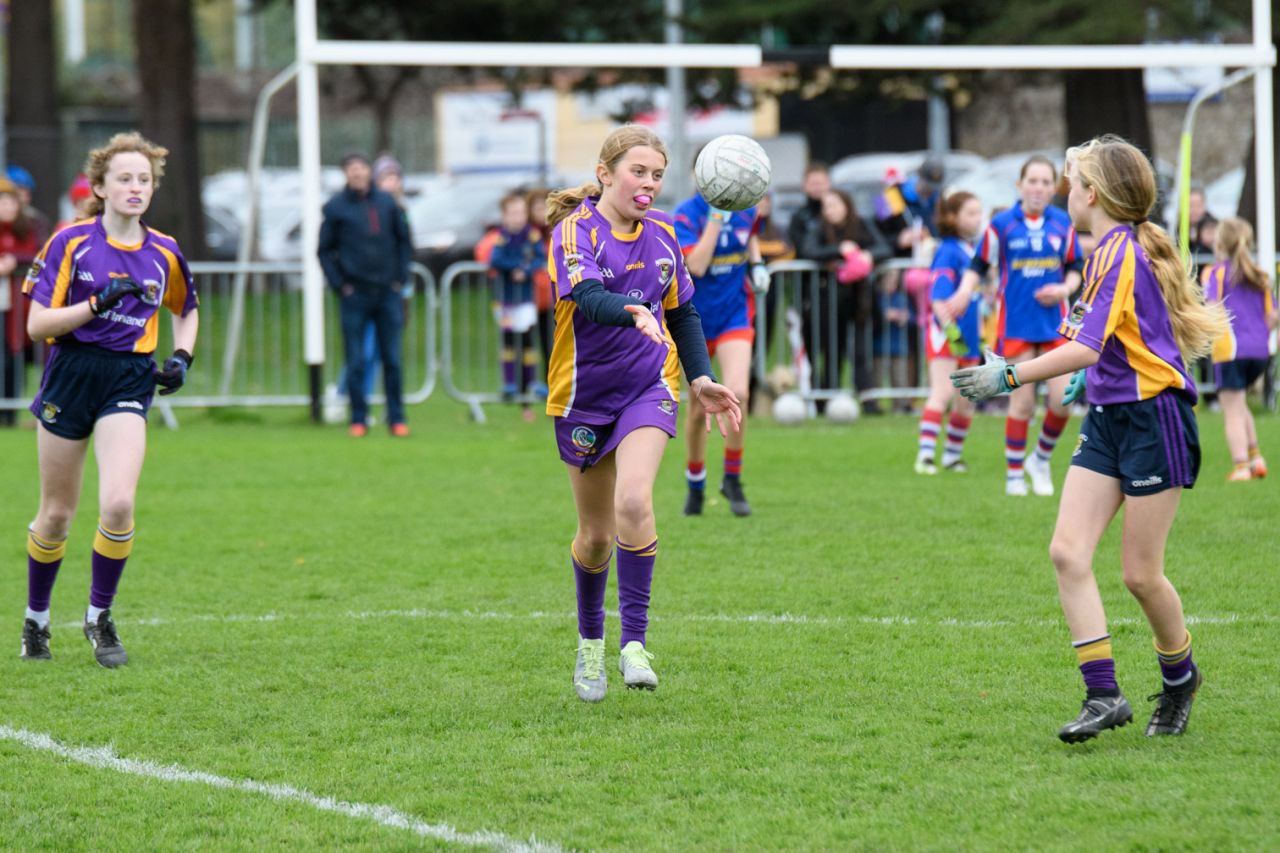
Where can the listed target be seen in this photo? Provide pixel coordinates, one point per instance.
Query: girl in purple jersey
(623, 312)
(1139, 317)
(1240, 356)
(95, 291)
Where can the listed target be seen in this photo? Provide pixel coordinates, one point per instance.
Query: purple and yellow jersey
(81, 259)
(596, 371)
(1122, 314)
(723, 291)
(1031, 254)
(1248, 307)
(950, 262)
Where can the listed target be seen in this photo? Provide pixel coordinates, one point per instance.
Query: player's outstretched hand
(992, 378)
(109, 297)
(646, 322)
(1075, 388)
(173, 373)
(718, 400)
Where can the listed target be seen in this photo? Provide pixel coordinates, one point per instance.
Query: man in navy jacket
(365, 251)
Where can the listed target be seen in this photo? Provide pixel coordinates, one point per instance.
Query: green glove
(1075, 388)
(994, 377)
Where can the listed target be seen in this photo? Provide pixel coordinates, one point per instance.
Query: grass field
(871, 661)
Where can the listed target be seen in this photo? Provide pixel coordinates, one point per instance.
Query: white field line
(104, 757)
(725, 618)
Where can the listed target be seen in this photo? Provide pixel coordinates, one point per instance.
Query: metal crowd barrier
(802, 315)
(471, 342)
(250, 346)
(807, 325)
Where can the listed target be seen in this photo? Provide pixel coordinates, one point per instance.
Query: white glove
(760, 279)
(993, 378)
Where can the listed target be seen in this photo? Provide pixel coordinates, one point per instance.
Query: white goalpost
(313, 52)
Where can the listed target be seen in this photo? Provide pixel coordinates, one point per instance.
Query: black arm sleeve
(600, 306)
(979, 266)
(686, 330)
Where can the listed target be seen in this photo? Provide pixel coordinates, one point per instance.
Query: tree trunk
(33, 130)
(1108, 101)
(164, 36)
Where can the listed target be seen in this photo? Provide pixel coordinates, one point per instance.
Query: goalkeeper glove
(993, 378)
(173, 373)
(107, 298)
(1075, 388)
(760, 278)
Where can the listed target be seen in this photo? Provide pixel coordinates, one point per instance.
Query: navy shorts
(1239, 374)
(1149, 446)
(84, 383)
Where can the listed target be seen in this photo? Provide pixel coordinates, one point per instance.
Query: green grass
(915, 705)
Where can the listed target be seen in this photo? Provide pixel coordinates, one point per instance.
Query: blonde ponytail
(1125, 185)
(560, 203)
(1235, 240)
(1196, 325)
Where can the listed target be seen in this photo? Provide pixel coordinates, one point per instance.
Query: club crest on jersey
(572, 263)
(666, 267)
(34, 272)
(1078, 312)
(1056, 242)
(150, 292)
(584, 438)
(49, 413)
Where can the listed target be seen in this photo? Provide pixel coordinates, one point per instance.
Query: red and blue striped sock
(1015, 446)
(930, 426)
(732, 463)
(1049, 432)
(696, 474)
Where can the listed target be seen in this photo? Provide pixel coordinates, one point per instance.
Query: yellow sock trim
(43, 550)
(591, 570)
(1099, 650)
(530, 358)
(1175, 655)
(1254, 452)
(112, 543)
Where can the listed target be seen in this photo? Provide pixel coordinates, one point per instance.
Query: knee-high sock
(1176, 665)
(1049, 432)
(529, 365)
(1015, 445)
(732, 463)
(635, 579)
(590, 582)
(930, 426)
(957, 431)
(111, 549)
(1097, 665)
(44, 557)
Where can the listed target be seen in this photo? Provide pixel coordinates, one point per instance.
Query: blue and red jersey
(950, 262)
(723, 292)
(1031, 252)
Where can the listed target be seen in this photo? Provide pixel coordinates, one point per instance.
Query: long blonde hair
(95, 167)
(616, 145)
(1126, 188)
(1235, 240)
